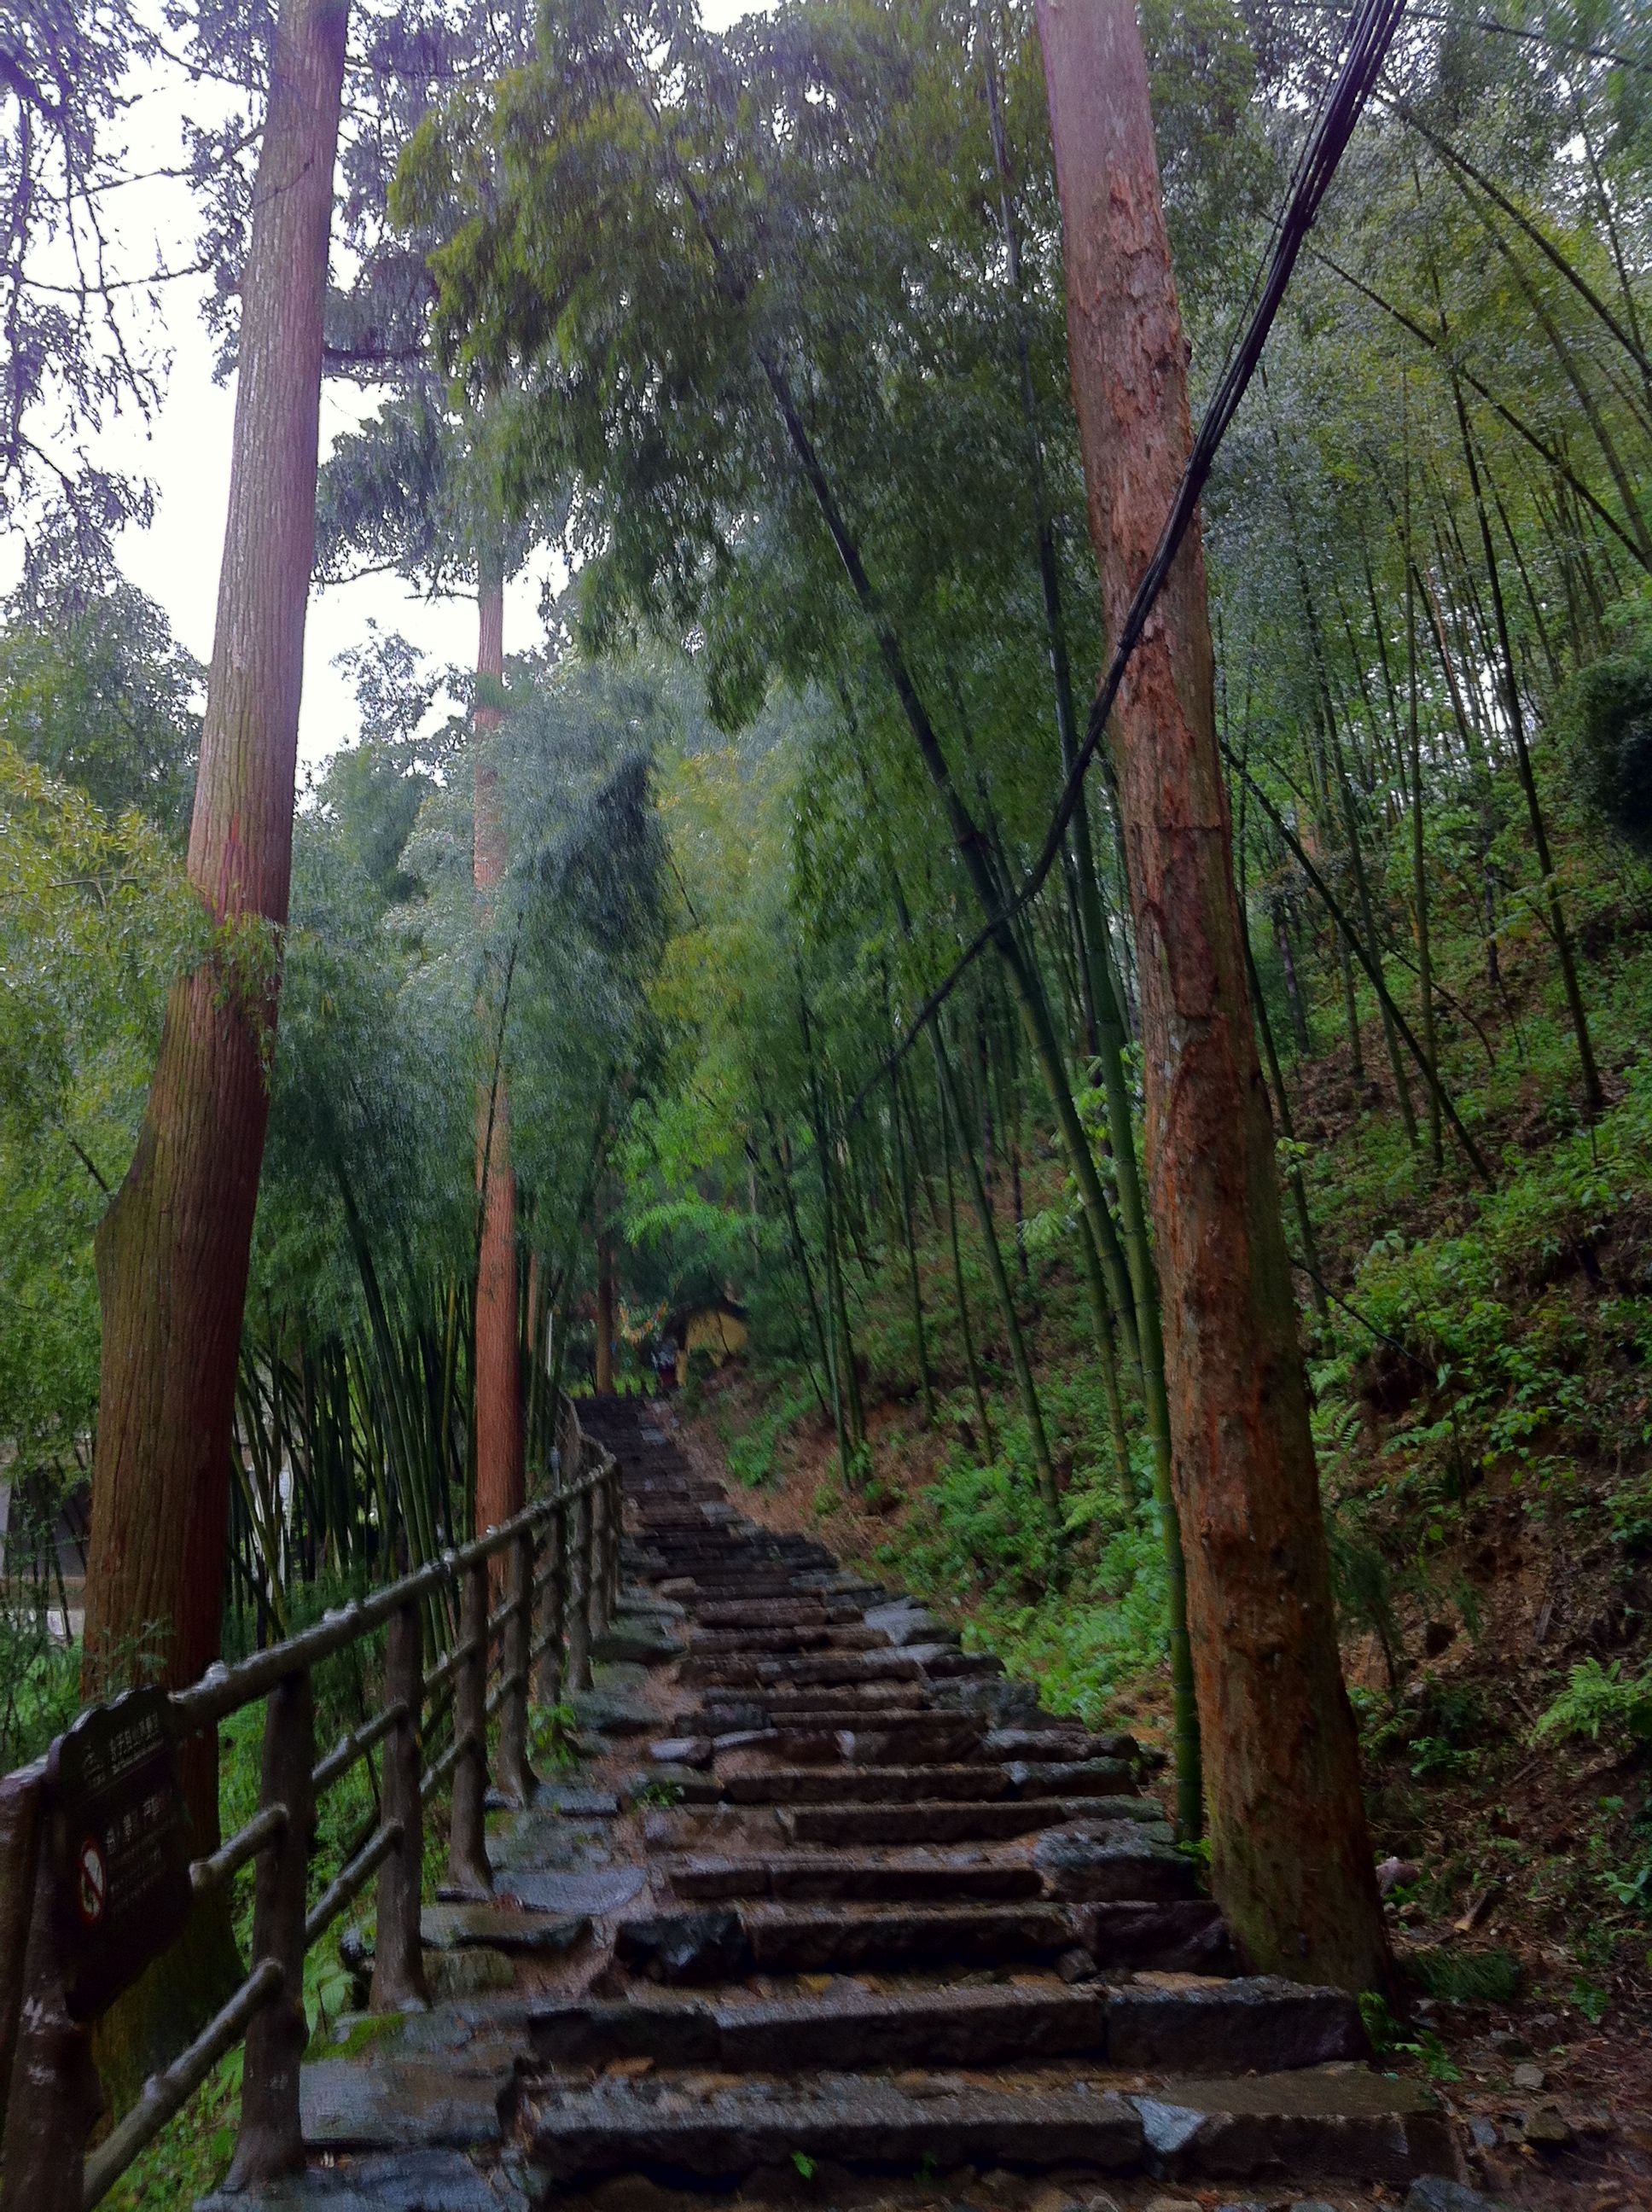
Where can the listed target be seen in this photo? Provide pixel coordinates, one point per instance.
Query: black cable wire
(1373, 31)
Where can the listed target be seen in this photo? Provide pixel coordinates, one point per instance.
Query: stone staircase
(837, 1902)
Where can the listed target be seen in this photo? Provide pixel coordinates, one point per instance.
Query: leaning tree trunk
(501, 1465)
(173, 1250)
(1291, 1853)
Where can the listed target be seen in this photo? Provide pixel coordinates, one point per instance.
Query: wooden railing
(560, 1567)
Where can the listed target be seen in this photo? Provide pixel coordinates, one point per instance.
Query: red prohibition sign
(92, 1884)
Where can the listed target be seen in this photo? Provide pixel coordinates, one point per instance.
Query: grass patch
(1467, 1977)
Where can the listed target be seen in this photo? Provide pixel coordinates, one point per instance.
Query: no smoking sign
(93, 1883)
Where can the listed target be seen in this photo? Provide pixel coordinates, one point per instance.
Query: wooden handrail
(579, 1585)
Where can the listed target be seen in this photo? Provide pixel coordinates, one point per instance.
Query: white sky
(184, 452)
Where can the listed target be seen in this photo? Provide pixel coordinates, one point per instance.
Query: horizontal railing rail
(561, 1563)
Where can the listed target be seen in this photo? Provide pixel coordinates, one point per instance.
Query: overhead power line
(1372, 34)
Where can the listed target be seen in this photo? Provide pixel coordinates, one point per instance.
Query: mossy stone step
(503, 1926)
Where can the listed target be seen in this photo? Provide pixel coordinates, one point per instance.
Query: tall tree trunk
(501, 1464)
(1594, 1097)
(1105, 1002)
(1418, 862)
(1290, 1851)
(173, 1250)
(1043, 1466)
(604, 1375)
(988, 1447)
(1292, 989)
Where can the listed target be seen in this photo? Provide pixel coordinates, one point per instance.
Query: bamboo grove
(767, 327)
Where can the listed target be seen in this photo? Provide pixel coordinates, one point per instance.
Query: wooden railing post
(579, 1619)
(467, 1851)
(598, 1558)
(616, 1532)
(516, 1777)
(553, 1607)
(272, 2138)
(55, 2094)
(399, 1956)
(19, 1849)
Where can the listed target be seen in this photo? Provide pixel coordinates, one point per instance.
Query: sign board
(120, 1844)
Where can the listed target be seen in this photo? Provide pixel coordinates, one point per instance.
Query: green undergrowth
(1077, 1609)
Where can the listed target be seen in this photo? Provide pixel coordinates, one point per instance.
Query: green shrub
(1608, 711)
(1597, 1697)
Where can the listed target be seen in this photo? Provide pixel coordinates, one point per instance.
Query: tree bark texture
(604, 1374)
(1290, 1854)
(173, 1250)
(501, 1476)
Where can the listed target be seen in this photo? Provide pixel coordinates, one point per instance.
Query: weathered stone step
(1215, 2027)
(749, 1669)
(781, 1714)
(776, 1637)
(780, 1702)
(1180, 1936)
(726, 1613)
(718, 2132)
(757, 1581)
(1335, 2122)
(799, 1875)
(724, 1944)
(909, 1663)
(843, 1785)
(1111, 1861)
(920, 1740)
(435, 2079)
(848, 2025)
(797, 1939)
(927, 1821)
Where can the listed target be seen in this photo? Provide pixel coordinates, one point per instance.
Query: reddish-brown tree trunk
(500, 1471)
(1290, 1854)
(173, 1250)
(604, 1375)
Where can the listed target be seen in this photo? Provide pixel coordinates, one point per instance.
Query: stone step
(726, 1613)
(1180, 1936)
(923, 1740)
(724, 1944)
(773, 1637)
(843, 1785)
(682, 2127)
(820, 1874)
(777, 1702)
(1332, 2123)
(798, 1939)
(928, 1820)
(1109, 1861)
(1195, 2028)
(847, 2025)
(743, 1718)
(438, 2079)
(732, 1670)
